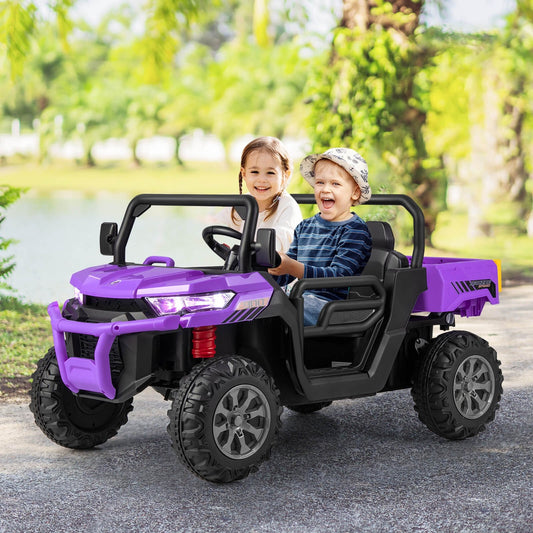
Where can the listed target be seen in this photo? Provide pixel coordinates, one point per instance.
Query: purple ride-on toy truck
(227, 345)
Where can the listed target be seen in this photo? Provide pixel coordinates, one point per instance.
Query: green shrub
(8, 195)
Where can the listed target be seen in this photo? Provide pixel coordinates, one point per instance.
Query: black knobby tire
(308, 408)
(225, 418)
(67, 419)
(458, 386)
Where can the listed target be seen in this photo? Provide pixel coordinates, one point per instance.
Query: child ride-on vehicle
(227, 346)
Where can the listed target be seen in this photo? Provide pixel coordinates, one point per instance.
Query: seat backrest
(383, 255)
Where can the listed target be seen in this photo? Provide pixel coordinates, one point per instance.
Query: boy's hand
(288, 266)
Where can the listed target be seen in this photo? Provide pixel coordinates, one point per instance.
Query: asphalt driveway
(362, 465)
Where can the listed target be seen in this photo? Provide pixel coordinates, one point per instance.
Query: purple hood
(138, 281)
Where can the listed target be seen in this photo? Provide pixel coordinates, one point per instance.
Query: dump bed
(458, 285)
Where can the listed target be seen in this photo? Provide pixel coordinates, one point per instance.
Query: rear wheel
(67, 419)
(459, 385)
(225, 418)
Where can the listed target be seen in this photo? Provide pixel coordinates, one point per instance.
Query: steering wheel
(230, 255)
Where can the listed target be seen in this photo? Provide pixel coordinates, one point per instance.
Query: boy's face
(335, 191)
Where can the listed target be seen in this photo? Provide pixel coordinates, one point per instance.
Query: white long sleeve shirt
(284, 220)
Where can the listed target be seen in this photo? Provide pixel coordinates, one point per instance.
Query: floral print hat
(349, 160)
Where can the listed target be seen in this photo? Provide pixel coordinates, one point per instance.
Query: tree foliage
(418, 102)
(517, 111)
(19, 23)
(8, 195)
(257, 91)
(226, 80)
(480, 118)
(373, 94)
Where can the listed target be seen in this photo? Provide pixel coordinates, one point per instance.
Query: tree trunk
(496, 170)
(89, 159)
(423, 183)
(135, 158)
(512, 147)
(177, 156)
(529, 225)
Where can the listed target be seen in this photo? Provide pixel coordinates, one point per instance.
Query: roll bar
(393, 199)
(142, 202)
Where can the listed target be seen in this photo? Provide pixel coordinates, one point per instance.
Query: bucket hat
(349, 160)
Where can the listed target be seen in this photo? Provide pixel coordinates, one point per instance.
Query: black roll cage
(142, 202)
(401, 200)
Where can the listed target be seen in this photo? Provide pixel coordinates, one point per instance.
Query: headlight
(190, 303)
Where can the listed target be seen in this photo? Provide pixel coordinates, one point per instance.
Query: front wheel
(225, 418)
(459, 385)
(67, 419)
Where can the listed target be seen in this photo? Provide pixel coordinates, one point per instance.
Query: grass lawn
(25, 336)
(194, 178)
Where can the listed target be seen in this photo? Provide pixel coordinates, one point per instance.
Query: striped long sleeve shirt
(330, 249)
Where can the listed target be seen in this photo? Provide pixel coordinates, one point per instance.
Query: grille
(87, 346)
(123, 305)
(84, 346)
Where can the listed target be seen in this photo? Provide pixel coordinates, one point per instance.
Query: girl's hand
(288, 266)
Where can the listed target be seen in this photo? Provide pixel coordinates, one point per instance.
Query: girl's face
(335, 191)
(264, 177)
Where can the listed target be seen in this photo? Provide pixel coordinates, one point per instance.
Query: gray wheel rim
(241, 421)
(474, 386)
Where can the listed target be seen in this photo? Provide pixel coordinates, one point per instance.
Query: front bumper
(94, 375)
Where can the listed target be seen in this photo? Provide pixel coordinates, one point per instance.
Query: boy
(335, 242)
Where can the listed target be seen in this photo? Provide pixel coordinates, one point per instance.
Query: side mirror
(265, 248)
(108, 235)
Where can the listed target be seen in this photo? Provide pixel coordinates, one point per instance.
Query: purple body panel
(252, 294)
(460, 286)
(252, 291)
(134, 281)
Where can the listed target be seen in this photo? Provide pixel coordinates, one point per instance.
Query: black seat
(353, 349)
(383, 255)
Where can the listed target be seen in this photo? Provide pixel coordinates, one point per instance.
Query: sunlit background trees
(443, 116)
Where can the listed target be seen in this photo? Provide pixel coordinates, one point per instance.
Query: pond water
(59, 234)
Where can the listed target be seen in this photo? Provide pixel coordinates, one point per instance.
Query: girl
(266, 169)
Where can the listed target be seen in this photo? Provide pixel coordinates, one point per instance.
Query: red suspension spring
(203, 342)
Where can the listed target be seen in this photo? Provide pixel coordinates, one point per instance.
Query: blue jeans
(313, 304)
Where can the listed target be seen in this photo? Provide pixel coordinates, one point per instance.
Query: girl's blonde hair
(277, 149)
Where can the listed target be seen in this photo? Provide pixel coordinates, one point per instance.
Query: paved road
(364, 465)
